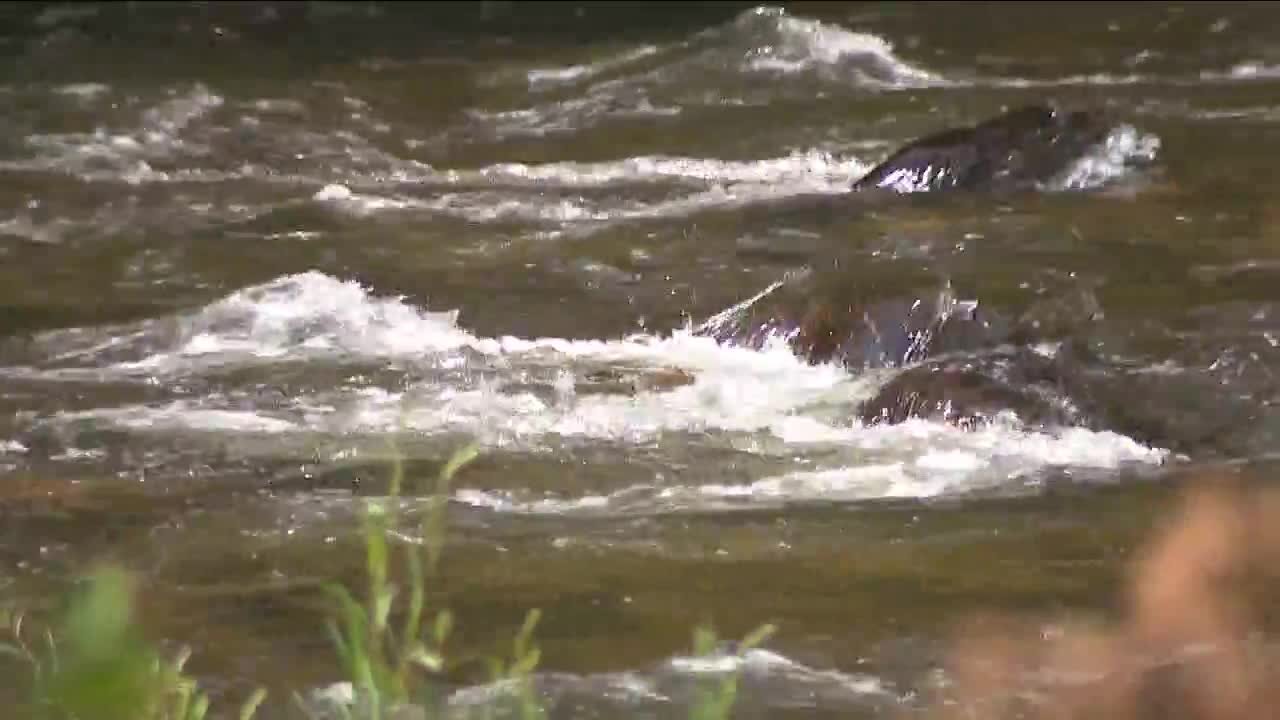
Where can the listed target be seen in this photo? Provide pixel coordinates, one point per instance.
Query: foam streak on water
(700, 183)
(766, 680)
(185, 131)
(542, 77)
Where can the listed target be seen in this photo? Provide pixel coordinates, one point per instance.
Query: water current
(244, 255)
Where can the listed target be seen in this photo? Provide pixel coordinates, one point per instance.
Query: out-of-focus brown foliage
(1187, 647)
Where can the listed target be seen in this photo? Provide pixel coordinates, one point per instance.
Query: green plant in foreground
(715, 701)
(524, 659)
(100, 666)
(380, 665)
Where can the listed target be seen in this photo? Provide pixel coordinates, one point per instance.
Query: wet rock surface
(1014, 151)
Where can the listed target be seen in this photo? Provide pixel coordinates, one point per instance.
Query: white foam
(74, 454)
(615, 99)
(916, 459)
(1249, 70)
(801, 167)
(333, 192)
(308, 313)
(344, 198)
(766, 680)
(801, 678)
(844, 484)
(1094, 79)
(489, 207)
(733, 391)
(170, 117)
(574, 73)
(1124, 147)
(505, 502)
(298, 316)
(189, 415)
(935, 458)
(709, 183)
(85, 91)
(724, 183)
(12, 447)
(803, 43)
(762, 40)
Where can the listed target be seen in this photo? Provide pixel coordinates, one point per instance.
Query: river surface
(240, 255)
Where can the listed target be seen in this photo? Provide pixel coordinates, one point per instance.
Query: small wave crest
(766, 679)
(788, 44)
(718, 66)
(812, 167)
(304, 315)
(917, 459)
(761, 40)
(1248, 70)
(518, 191)
(310, 312)
(557, 76)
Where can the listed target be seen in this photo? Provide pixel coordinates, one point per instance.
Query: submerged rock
(892, 321)
(1070, 387)
(968, 393)
(1187, 413)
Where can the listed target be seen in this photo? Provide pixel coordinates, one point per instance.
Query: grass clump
(716, 699)
(383, 667)
(94, 663)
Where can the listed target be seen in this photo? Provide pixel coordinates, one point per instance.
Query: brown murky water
(241, 250)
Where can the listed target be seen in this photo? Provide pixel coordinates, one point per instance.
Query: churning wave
(765, 40)
(536, 394)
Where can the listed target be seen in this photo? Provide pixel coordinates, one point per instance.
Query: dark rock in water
(1019, 149)
(1071, 387)
(1184, 412)
(973, 392)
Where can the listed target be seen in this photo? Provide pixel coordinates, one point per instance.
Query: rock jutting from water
(1019, 149)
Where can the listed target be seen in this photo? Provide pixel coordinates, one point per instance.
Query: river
(241, 252)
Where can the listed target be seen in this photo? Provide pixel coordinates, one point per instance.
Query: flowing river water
(242, 257)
